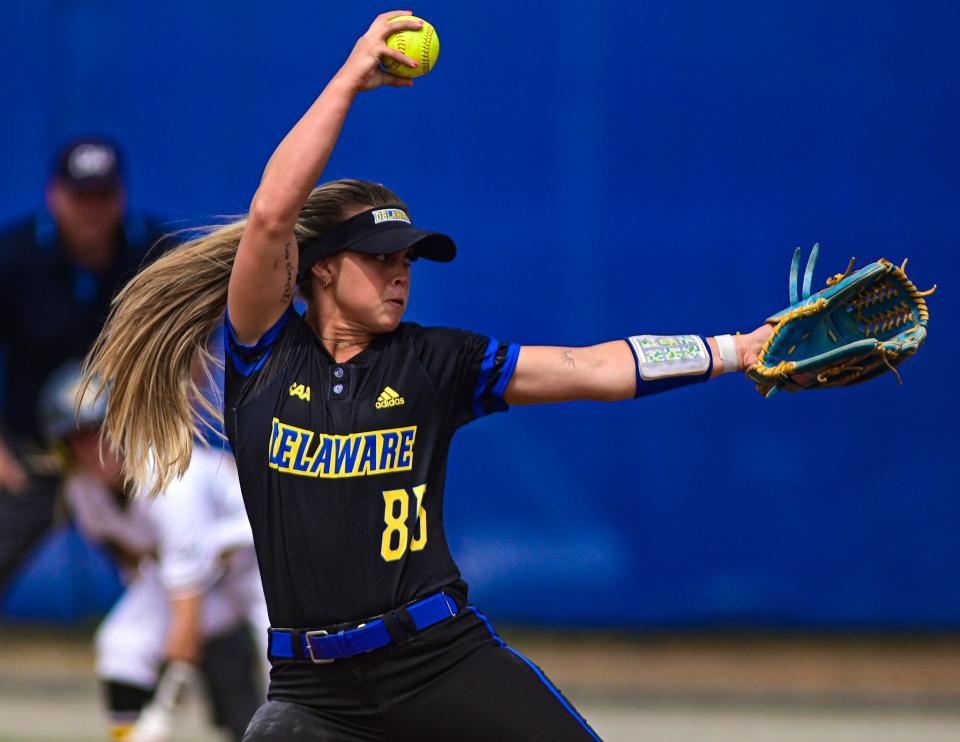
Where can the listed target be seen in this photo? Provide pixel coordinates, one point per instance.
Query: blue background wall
(607, 168)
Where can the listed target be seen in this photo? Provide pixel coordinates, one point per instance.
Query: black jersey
(342, 465)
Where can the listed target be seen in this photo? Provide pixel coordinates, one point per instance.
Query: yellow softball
(422, 46)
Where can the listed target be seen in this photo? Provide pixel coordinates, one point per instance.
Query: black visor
(379, 231)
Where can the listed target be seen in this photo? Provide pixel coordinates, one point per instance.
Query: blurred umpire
(59, 269)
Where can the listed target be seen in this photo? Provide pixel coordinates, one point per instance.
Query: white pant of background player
(131, 640)
(193, 539)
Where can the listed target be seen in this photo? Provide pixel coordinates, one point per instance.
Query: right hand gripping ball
(422, 46)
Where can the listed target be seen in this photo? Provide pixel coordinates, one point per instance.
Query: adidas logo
(389, 398)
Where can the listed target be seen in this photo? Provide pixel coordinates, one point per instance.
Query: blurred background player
(191, 575)
(59, 269)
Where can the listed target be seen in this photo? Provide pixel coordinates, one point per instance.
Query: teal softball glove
(863, 324)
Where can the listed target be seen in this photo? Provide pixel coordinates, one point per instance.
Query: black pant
(456, 681)
(231, 672)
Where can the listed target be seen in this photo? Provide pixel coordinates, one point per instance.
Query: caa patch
(300, 391)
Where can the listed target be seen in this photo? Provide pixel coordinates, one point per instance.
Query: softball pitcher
(341, 419)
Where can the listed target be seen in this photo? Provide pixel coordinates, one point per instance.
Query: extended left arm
(605, 372)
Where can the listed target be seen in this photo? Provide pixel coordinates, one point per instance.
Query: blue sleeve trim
(486, 368)
(646, 388)
(248, 359)
(506, 373)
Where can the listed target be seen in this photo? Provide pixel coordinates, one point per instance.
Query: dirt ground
(631, 688)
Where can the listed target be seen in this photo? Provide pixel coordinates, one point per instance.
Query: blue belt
(321, 645)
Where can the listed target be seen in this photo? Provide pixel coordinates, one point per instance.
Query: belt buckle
(307, 635)
(445, 596)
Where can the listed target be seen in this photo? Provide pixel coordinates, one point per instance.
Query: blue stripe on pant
(538, 672)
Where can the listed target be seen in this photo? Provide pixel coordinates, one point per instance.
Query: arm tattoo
(288, 289)
(566, 357)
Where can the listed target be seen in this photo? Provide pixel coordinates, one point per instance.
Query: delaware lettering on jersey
(302, 452)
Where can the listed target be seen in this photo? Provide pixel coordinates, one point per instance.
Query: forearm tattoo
(288, 288)
(566, 357)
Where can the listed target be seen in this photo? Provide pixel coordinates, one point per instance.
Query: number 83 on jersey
(397, 536)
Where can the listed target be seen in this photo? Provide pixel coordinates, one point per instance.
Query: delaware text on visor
(379, 231)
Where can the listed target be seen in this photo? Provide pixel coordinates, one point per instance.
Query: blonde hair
(153, 351)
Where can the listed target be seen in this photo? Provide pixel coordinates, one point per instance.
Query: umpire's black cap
(90, 164)
(379, 231)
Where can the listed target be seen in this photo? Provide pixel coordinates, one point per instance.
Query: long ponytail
(153, 353)
(158, 329)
